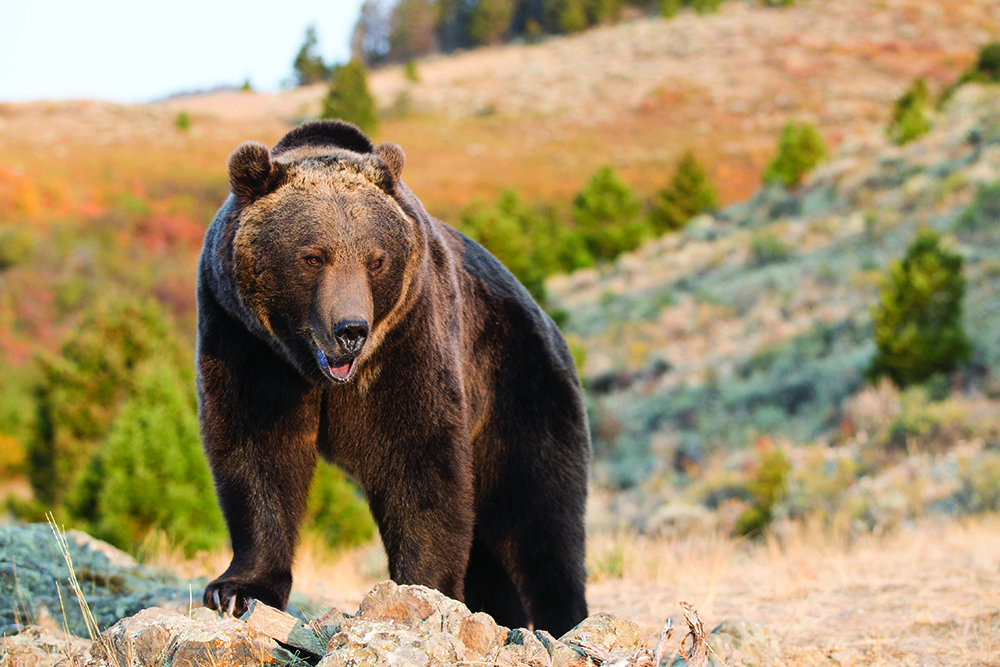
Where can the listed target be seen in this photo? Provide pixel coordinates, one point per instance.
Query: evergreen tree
(910, 117)
(800, 149)
(490, 20)
(607, 217)
(308, 64)
(349, 98)
(688, 194)
(918, 320)
(370, 39)
(412, 32)
(150, 472)
(564, 16)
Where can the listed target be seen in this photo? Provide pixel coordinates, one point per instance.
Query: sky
(139, 51)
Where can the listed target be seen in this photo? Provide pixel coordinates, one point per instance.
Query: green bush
(565, 16)
(82, 389)
(349, 97)
(337, 509)
(986, 69)
(668, 8)
(766, 490)
(150, 472)
(766, 248)
(800, 149)
(910, 116)
(17, 245)
(688, 194)
(183, 121)
(410, 72)
(531, 245)
(705, 6)
(607, 217)
(918, 320)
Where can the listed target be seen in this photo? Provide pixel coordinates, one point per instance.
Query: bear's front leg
(424, 512)
(259, 429)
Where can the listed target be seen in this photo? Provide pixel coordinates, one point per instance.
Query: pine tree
(349, 98)
(490, 20)
(918, 320)
(607, 217)
(308, 64)
(688, 194)
(800, 149)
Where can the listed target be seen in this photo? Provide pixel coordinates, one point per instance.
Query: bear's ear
(393, 157)
(250, 170)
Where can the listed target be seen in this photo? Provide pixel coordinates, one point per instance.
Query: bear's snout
(351, 335)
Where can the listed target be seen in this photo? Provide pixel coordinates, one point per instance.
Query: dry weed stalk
(88, 616)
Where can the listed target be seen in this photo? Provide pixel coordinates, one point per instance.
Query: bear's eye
(313, 260)
(374, 264)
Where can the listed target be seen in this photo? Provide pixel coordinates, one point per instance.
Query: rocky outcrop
(396, 625)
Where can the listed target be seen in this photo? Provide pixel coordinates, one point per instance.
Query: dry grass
(923, 595)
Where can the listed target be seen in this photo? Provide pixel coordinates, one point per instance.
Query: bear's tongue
(341, 371)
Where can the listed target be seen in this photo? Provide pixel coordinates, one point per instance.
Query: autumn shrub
(349, 97)
(800, 149)
(911, 114)
(689, 193)
(607, 217)
(918, 319)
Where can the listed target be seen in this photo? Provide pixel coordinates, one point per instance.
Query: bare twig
(697, 654)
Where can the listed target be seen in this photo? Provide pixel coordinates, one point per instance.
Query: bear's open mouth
(336, 369)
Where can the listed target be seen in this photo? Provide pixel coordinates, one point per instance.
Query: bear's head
(323, 244)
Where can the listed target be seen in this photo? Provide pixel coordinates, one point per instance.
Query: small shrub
(910, 116)
(668, 8)
(17, 245)
(410, 72)
(183, 121)
(986, 69)
(918, 320)
(607, 217)
(565, 16)
(983, 214)
(766, 248)
(246, 87)
(800, 149)
(766, 489)
(349, 97)
(688, 194)
(705, 6)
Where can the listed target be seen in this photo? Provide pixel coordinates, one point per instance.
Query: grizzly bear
(337, 318)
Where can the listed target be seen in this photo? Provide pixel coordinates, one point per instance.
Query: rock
(37, 647)
(734, 640)
(284, 628)
(606, 631)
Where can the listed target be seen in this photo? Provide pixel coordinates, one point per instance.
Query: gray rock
(739, 641)
(36, 647)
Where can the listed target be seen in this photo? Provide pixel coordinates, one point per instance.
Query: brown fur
(337, 318)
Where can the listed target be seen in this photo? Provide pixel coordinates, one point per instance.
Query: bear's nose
(351, 334)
